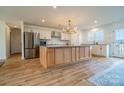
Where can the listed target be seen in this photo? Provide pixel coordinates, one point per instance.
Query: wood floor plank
(30, 72)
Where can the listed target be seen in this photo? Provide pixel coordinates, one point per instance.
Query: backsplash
(57, 41)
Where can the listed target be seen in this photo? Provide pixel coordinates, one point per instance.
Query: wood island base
(51, 56)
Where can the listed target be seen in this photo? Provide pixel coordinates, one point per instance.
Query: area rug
(114, 76)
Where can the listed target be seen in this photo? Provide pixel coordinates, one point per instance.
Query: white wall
(7, 41)
(108, 29)
(22, 39)
(4, 41)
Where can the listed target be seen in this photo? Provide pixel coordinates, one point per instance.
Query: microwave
(43, 42)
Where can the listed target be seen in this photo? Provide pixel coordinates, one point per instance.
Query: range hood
(56, 34)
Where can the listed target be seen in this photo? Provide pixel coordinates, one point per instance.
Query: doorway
(15, 41)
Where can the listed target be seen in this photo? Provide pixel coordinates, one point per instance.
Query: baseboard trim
(118, 57)
(2, 61)
(98, 55)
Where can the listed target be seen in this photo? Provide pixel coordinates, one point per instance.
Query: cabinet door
(48, 35)
(101, 50)
(82, 52)
(59, 55)
(74, 38)
(95, 50)
(62, 36)
(67, 55)
(87, 52)
(50, 57)
(77, 53)
(104, 50)
(67, 36)
(42, 35)
(98, 50)
(43, 54)
(27, 29)
(45, 35)
(73, 54)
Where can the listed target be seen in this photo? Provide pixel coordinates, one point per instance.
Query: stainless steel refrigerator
(31, 45)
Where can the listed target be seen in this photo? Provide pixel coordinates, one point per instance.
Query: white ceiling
(82, 16)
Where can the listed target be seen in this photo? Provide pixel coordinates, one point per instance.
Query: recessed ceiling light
(43, 20)
(54, 6)
(95, 21)
(15, 26)
(95, 29)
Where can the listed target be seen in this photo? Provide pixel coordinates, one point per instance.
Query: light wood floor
(30, 72)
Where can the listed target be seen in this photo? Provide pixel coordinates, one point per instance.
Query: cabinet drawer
(77, 54)
(67, 55)
(73, 54)
(87, 52)
(82, 52)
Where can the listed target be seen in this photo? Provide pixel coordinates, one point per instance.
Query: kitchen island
(52, 55)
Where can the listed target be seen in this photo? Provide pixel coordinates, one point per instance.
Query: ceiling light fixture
(95, 29)
(43, 20)
(15, 26)
(54, 6)
(69, 28)
(95, 21)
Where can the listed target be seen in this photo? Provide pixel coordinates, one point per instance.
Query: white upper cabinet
(74, 39)
(42, 36)
(48, 34)
(45, 35)
(28, 30)
(65, 36)
(62, 36)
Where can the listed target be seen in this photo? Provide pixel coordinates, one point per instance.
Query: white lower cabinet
(100, 50)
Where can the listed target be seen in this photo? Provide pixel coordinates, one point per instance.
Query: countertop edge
(65, 46)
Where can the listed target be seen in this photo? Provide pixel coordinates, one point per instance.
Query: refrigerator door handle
(33, 40)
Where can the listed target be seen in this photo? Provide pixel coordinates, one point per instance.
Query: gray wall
(4, 41)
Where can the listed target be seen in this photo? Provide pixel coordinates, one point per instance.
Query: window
(99, 36)
(119, 34)
(91, 36)
(95, 36)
